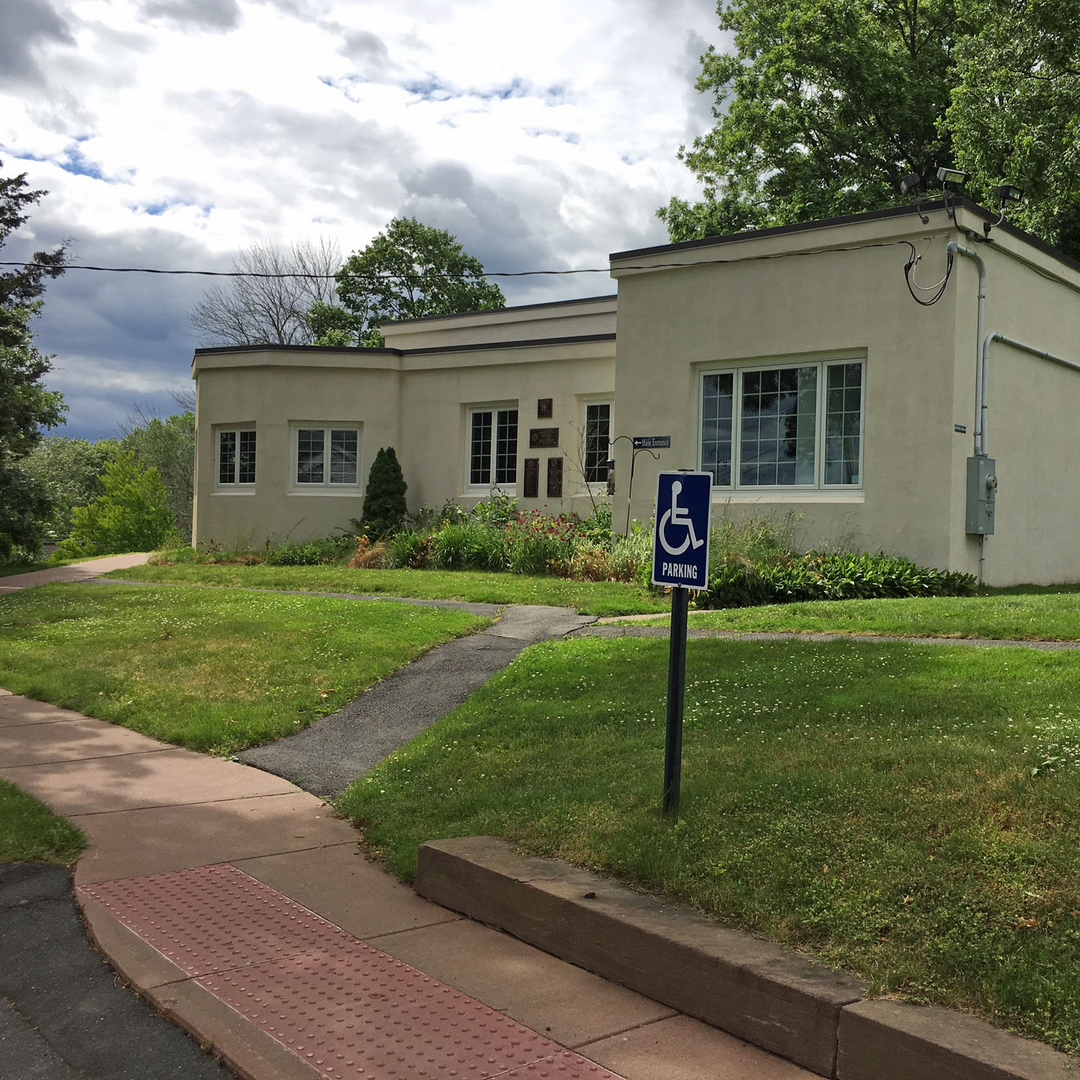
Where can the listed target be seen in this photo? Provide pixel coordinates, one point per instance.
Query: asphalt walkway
(330, 754)
(240, 907)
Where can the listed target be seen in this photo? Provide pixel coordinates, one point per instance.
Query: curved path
(334, 751)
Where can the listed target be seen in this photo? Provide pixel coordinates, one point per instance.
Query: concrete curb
(778, 1000)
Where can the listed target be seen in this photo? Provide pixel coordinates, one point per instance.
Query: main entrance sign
(681, 539)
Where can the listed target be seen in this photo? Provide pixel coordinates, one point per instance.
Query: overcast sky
(172, 133)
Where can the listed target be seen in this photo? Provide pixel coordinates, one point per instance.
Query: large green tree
(25, 405)
(407, 272)
(72, 469)
(823, 105)
(169, 447)
(1015, 112)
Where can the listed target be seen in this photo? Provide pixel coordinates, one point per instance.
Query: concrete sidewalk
(245, 911)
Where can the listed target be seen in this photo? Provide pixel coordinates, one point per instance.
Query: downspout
(980, 358)
(954, 248)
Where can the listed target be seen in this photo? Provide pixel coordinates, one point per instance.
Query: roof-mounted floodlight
(1005, 194)
(952, 176)
(910, 184)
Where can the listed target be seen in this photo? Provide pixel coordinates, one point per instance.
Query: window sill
(247, 490)
(815, 495)
(326, 492)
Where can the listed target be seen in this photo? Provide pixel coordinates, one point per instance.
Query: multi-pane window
(493, 447)
(772, 427)
(597, 442)
(327, 456)
(236, 457)
(843, 423)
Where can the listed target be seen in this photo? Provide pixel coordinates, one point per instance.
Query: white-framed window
(236, 458)
(325, 457)
(596, 441)
(492, 449)
(785, 425)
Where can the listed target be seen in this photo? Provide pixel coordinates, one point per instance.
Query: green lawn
(588, 597)
(30, 832)
(214, 670)
(1028, 614)
(905, 811)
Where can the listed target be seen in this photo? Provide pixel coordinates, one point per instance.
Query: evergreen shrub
(384, 499)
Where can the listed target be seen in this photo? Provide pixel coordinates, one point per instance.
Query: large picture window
(797, 426)
(236, 457)
(326, 457)
(493, 434)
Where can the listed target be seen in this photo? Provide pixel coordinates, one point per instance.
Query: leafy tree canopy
(825, 104)
(408, 272)
(1015, 112)
(71, 469)
(169, 447)
(25, 405)
(130, 514)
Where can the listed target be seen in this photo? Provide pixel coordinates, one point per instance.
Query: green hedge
(827, 577)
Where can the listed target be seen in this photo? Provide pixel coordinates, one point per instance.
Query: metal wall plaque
(543, 438)
(543, 408)
(532, 478)
(554, 478)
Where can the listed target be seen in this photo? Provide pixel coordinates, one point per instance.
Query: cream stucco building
(793, 364)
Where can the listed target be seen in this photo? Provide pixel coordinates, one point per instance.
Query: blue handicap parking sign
(681, 539)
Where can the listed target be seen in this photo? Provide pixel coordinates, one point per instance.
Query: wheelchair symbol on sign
(677, 516)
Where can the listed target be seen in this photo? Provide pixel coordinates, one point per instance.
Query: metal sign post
(681, 560)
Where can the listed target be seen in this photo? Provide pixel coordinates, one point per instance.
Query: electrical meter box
(981, 495)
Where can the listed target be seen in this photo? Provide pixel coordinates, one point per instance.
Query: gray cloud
(118, 340)
(26, 24)
(215, 15)
(366, 51)
(699, 117)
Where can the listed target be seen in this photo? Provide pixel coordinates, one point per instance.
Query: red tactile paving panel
(213, 917)
(349, 1011)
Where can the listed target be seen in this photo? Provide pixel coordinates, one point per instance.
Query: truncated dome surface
(344, 1008)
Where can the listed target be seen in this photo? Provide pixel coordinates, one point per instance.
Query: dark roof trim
(480, 346)
(528, 343)
(849, 219)
(212, 350)
(504, 310)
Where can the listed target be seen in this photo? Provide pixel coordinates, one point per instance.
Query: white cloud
(174, 132)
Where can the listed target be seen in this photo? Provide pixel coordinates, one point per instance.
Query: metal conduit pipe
(980, 369)
(985, 368)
